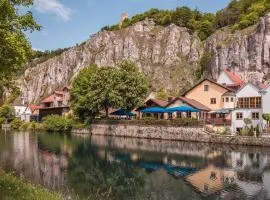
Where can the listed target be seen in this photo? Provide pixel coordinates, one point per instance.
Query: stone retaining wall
(171, 133)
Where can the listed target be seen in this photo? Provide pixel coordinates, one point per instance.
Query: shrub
(55, 123)
(7, 111)
(244, 132)
(16, 123)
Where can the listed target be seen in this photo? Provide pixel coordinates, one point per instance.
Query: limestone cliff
(246, 52)
(168, 55)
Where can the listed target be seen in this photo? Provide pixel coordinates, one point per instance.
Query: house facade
(248, 106)
(55, 104)
(209, 93)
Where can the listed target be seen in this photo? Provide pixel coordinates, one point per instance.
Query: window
(213, 101)
(249, 102)
(223, 99)
(170, 116)
(231, 99)
(227, 99)
(206, 88)
(255, 115)
(179, 115)
(188, 114)
(239, 116)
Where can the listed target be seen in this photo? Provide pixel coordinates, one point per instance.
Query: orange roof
(51, 98)
(33, 107)
(234, 77)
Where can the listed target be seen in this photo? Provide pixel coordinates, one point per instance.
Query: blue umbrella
(122, 112)
(154, 110)
(182, 109)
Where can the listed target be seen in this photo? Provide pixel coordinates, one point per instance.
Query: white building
(22, 112)
(248, 106)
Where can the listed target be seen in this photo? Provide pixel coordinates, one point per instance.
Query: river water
(125, 168)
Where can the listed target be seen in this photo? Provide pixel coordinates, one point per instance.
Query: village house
(248, 106)
(209, 93)
(55, 104)
(230, 80)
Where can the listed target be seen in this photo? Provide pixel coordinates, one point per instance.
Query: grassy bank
(13, 188)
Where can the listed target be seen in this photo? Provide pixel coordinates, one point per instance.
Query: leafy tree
(15, 48)
(96, 89)
(132, 85)
(266, 117)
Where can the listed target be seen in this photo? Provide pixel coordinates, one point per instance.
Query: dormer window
(206, 88)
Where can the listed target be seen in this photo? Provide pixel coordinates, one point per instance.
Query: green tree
(96, 89)
(266, 117)
(15, 48)
(132, 85)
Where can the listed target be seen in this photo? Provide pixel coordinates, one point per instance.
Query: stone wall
(173, 133)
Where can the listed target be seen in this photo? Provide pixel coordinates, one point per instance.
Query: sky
(66, 23)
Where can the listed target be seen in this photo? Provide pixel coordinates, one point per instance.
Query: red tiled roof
(51, 98)
(234, 77)
(193, 103)
(33, 107)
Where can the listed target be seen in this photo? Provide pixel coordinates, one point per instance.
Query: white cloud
(53, 6)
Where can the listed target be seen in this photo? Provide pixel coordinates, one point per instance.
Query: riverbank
(188, 134)
(14, 188)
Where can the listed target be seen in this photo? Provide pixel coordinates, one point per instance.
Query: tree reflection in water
(94, 177)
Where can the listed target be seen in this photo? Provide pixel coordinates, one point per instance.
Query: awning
(154, 110)
(122, 112)
(221, 111)
(182, 109)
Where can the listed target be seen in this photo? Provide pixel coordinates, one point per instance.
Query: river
(125, 168)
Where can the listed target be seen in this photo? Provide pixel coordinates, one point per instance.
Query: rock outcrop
(164, 54)
(169, 56)
(246, 52)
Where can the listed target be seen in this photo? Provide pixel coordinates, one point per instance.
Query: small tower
(122, 19)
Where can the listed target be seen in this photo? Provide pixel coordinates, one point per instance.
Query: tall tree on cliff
(15, 49)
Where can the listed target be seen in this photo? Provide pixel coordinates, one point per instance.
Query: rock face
(246, 52)
(164, 54)
(168, 55)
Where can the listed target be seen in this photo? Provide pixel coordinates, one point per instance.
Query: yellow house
(209, 93)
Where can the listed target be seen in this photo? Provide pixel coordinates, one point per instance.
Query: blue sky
(67, 22)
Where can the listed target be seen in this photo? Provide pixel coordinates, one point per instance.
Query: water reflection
(125, 168)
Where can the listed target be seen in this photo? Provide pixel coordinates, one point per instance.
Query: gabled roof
(33, 107)
(51, 99)
(234, 77)
(210, 80)
(160, 103)
(193, 103)
(249, 83)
